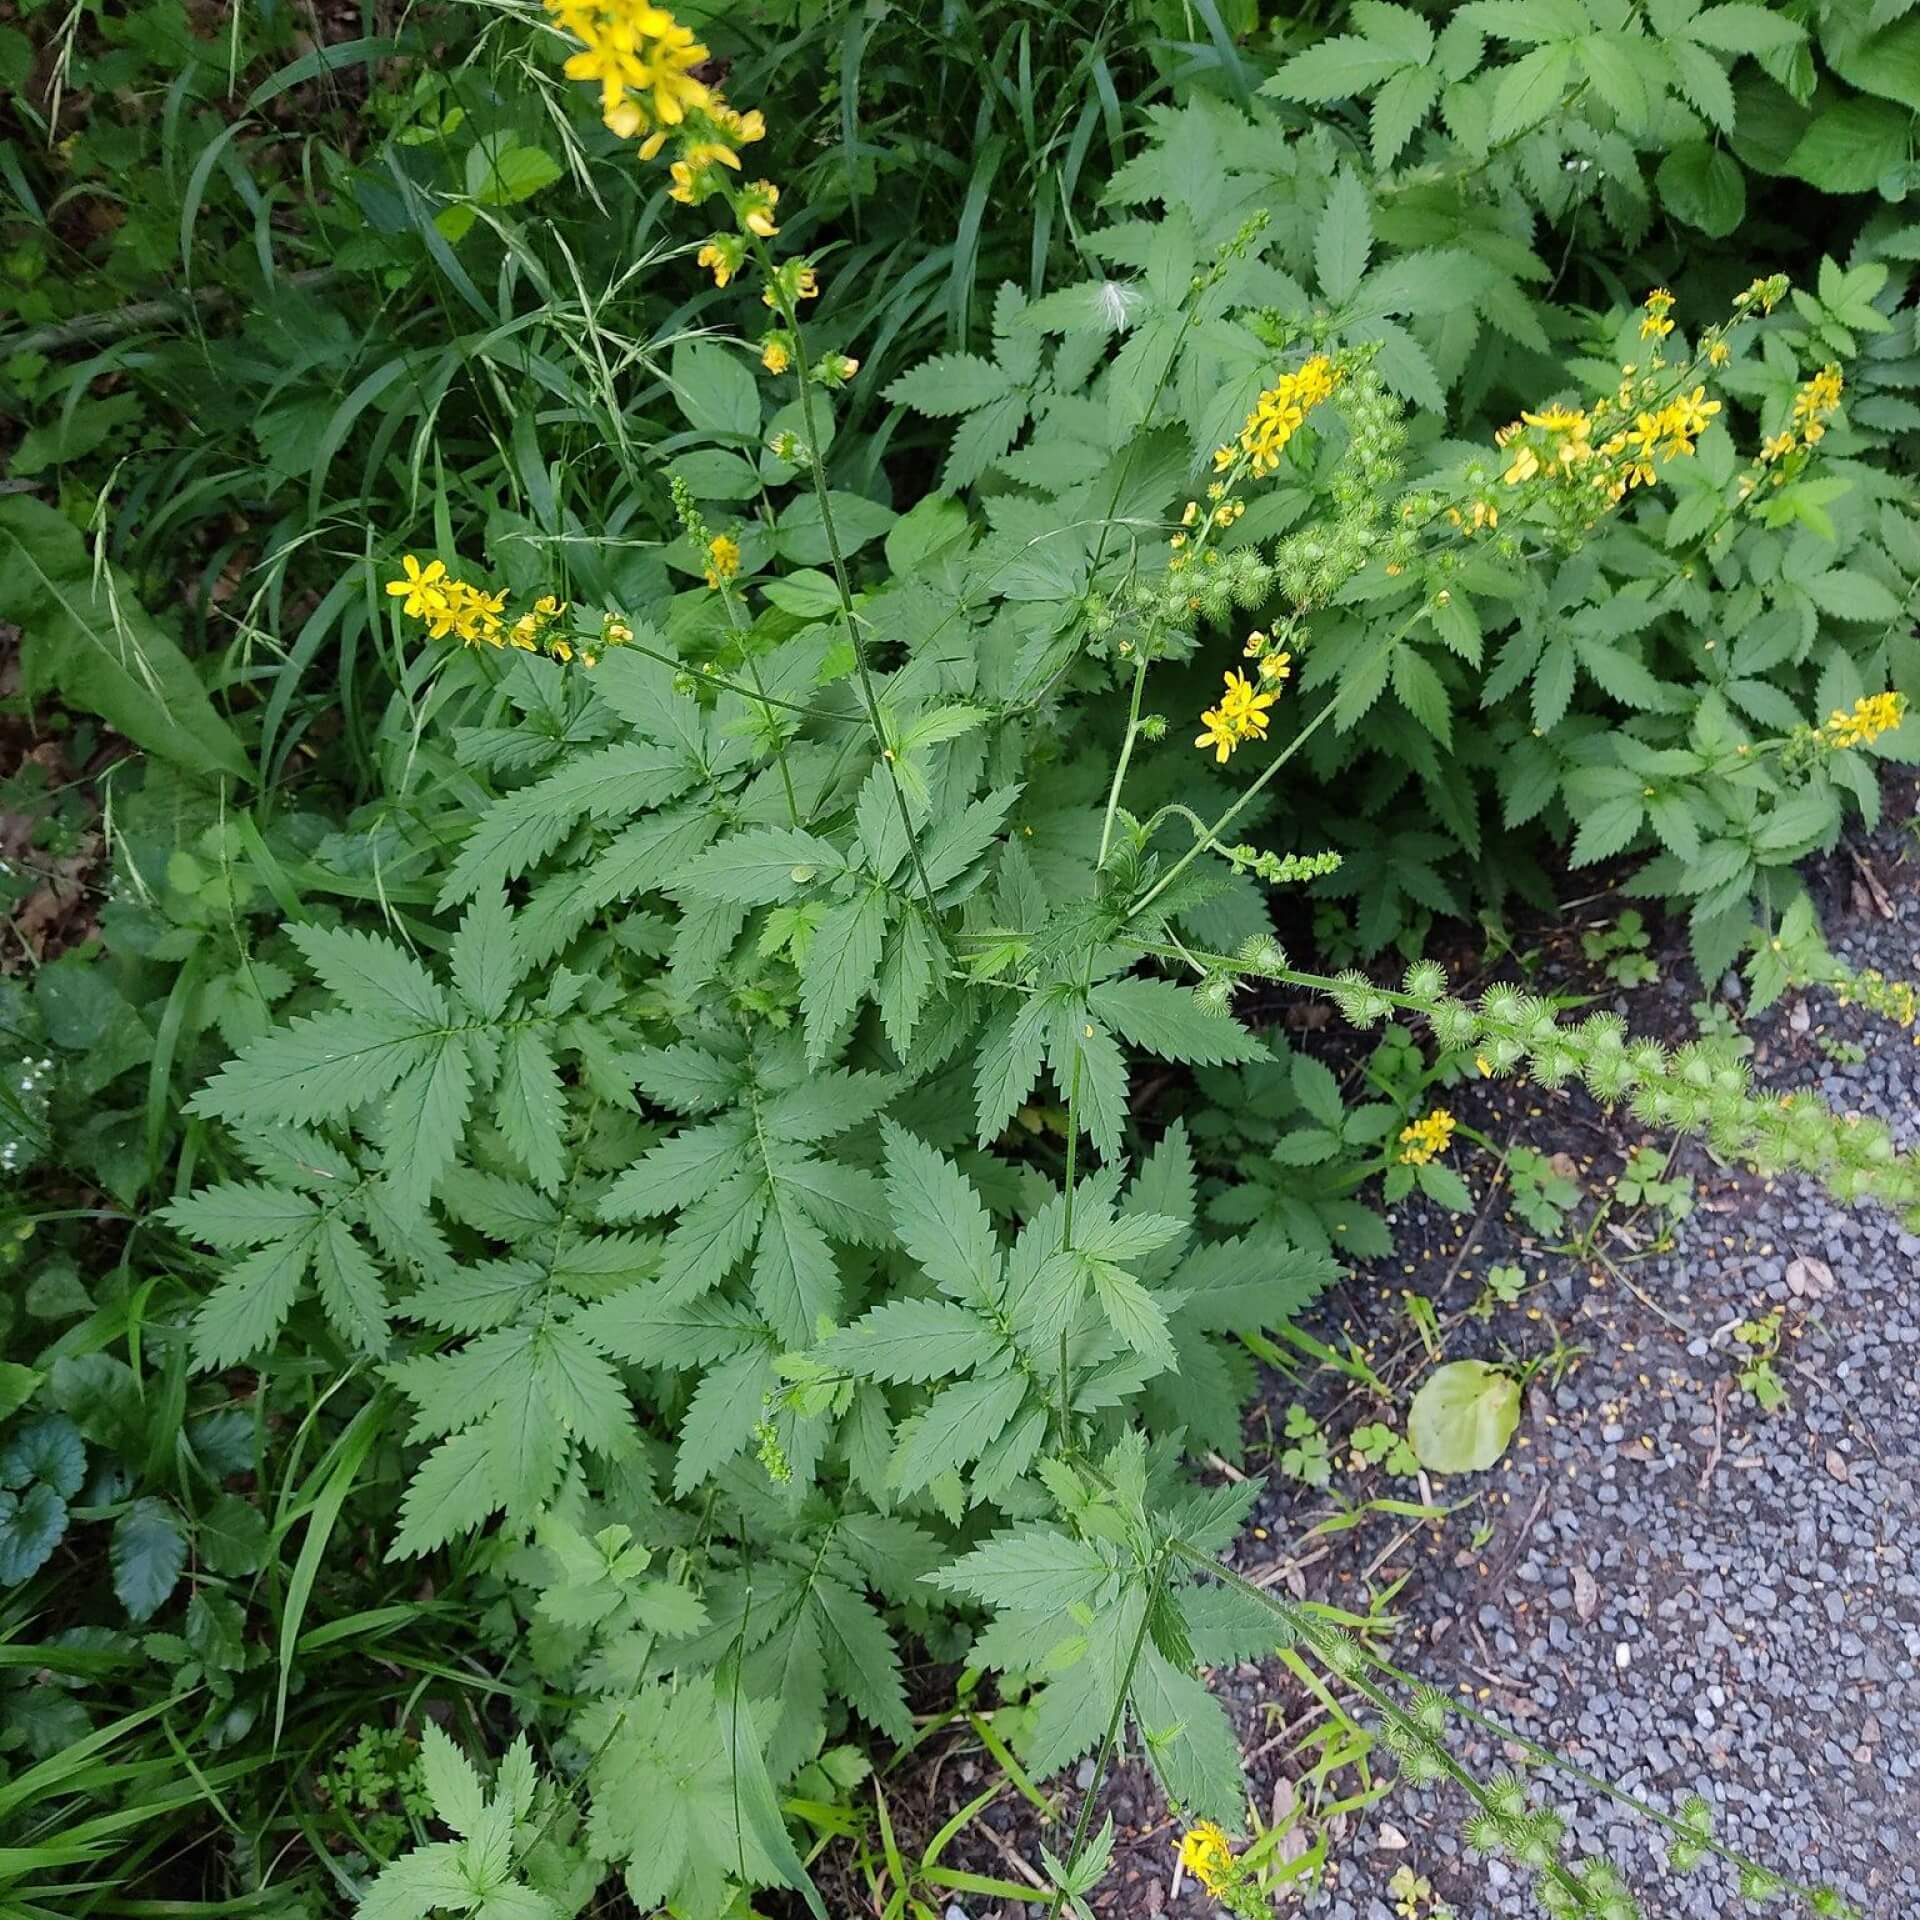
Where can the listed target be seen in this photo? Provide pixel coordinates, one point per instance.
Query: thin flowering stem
(1213, 833)
(760, 694)
(707, 677)
(849, 620)
(1104, 1759)
(1120, 764)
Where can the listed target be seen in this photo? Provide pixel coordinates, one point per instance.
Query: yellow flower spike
(723, 559)
(1207, 1854)
(1875, 714)
(1428, 1138)
(644, 61)
(1557, 420)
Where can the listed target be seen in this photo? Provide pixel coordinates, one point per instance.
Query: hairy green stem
(849, 620)
(1120, 765)
(1112, 1737)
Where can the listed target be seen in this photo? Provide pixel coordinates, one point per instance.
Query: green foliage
(1542, 1192)
(1616, 697)
(601, 1202)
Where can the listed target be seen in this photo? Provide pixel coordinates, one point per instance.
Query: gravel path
(1684, 1593)
(1680, 1591)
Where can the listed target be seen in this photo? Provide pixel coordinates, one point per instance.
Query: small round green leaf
(49, 1450)
(31, 1526)
(1463, 1417)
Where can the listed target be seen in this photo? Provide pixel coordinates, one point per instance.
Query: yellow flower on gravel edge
(1207, 1854)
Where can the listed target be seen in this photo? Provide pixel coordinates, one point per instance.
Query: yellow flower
(1427, 1138)
(1279, 413)
(1692, 413)
(1718, 354)
(474, 616)
(742, 128)
(1818, 398)
(421, 587)
(1872, 716)
(723, 559)
(796, 279)
(644, 61)
(1777, 447)
(1218, 733)
(1207, 1854)
(1526, 463)
(1240, 716)
(723, 255)
(1244, 704)
(757, 203)
(1655, 325)
(776, 353)
(1276, 666)
(1557, 419)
